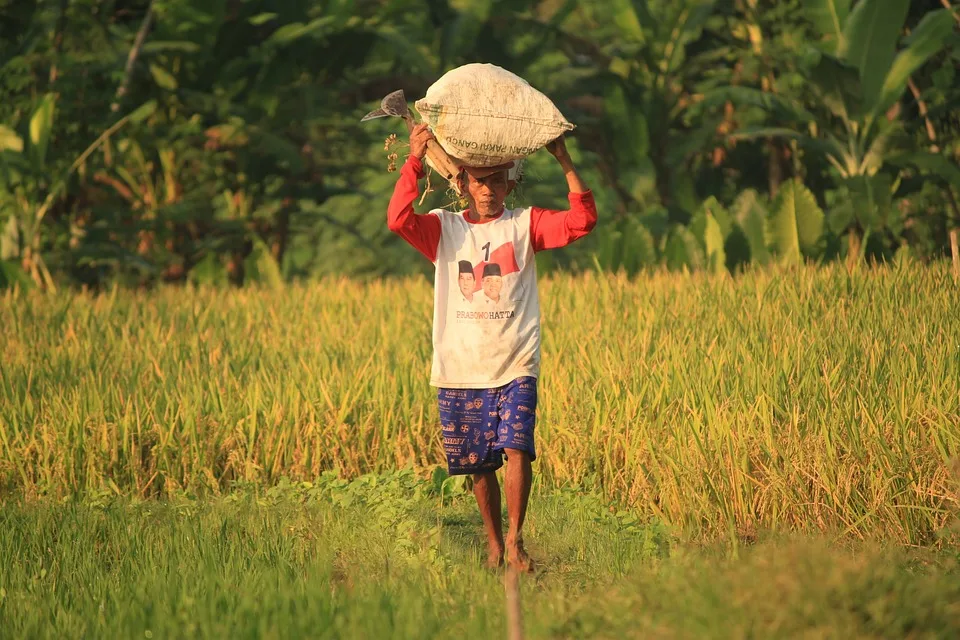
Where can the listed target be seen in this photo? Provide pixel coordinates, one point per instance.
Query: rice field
(811, 401)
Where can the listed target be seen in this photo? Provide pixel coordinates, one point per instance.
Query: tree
(856, 80)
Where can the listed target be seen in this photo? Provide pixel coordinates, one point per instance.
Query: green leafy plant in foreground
(377, 556)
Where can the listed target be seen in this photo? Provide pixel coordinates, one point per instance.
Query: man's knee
(483, 477)
(517, 455)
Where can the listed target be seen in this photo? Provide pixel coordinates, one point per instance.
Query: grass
(771, 456)
(398, 556)
(806, 401)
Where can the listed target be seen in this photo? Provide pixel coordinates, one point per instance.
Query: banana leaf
(796, 223)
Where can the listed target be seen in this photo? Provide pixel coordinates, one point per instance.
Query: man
(486, 361)
(492, 282)
(467, 282)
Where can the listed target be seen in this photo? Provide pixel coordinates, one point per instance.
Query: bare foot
(518, 558)
(495, 558)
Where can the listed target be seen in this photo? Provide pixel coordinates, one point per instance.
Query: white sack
(483, 115)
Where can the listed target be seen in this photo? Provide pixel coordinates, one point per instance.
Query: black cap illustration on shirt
(491, 269)
(466, 267)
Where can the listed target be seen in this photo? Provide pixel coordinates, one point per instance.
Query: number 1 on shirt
(486, 255)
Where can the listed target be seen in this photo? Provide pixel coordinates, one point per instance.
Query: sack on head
(483, 115)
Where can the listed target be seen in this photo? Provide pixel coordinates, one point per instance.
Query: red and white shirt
(486, 313)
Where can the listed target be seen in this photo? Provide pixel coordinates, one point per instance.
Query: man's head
(492, 281)
(486, 188)
(466, 279)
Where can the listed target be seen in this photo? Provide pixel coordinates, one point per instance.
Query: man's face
(486, 195)
(467, 283)
(492, 286)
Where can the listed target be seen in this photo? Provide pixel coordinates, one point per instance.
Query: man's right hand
(419, 137)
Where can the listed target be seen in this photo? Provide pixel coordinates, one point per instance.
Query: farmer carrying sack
(483, 115)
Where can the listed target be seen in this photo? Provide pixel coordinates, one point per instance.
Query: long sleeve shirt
(549, 229)
(486, 329)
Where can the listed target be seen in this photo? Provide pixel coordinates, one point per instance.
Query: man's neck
(474, 216)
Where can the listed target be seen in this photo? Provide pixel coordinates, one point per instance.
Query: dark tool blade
(379, 113)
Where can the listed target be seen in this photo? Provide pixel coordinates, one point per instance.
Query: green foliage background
(219, 142)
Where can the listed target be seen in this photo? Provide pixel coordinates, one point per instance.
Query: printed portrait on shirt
(466, 281)
(491, 283)
(487, 284)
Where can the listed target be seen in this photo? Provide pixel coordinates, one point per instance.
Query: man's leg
(487, 490)
(518, 478)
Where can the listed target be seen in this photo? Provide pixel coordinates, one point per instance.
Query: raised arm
(558, 149)
(554, 229)
(421, 231)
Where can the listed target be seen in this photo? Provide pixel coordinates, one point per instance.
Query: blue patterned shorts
(478, 424)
